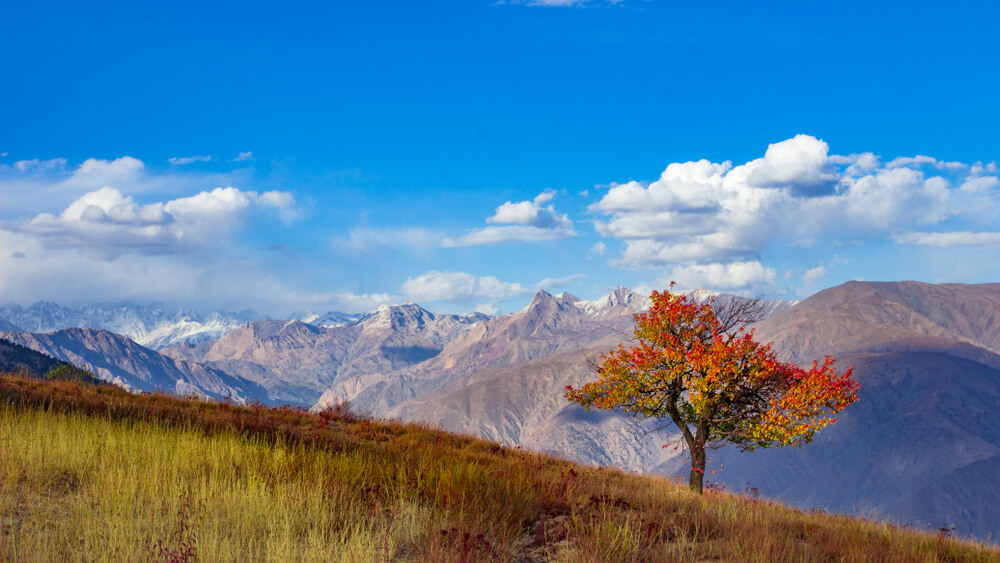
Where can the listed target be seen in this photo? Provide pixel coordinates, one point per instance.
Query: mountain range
(153, 326)
(119, 360)
(922, 445)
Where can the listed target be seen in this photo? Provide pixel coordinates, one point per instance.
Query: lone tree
(696, 366)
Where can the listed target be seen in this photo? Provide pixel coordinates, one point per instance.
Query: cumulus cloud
(980, 184)
(244, 156)
(735, 275)
(32, 186)
(702, 215)
(107, 172)
(460, 287)
(964, 238)
(522, 221)
(531, 214)
(180, 161)
(813, 275)
(107, 223)
(801, 163)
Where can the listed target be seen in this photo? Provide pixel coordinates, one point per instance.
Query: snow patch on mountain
(154, 326)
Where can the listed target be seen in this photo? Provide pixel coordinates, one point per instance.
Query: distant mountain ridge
(154, 326)
(120, 361)
(297, 361)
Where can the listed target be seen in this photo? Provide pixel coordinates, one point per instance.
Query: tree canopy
(696, 366)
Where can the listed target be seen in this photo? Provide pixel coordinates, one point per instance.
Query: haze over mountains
(153, 326)
(921, 446)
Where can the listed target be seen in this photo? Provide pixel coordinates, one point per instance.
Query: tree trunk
(697, 476)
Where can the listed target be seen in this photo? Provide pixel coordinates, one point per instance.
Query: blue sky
(464, 154)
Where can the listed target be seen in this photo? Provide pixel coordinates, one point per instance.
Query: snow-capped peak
(154, 326)
(619, 297)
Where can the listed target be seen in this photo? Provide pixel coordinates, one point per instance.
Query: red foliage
(714, 382)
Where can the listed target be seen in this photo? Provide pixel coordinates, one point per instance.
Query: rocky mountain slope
(922, 445)
(14, 357)
(962, 320)
(549, 324)
(153, 326)
(296, 362)
(119, 360)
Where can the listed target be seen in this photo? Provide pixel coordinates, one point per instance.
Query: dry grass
(96, 474)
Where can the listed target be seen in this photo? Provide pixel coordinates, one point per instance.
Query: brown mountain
(296, 361)
(119, 360)
(961, 320)
(922, 444)
(548, 325)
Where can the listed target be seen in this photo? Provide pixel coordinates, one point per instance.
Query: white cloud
(108, 171)
(37, 164)
(38, 185)
(913, 161)
(350, 302)
(735, 275)
(459, 287)
(800, 163)
(598, 249)
(244, 156)
(522, 221)
(703, 213)
(180, 161)
(814, 274)
(67, 275)
(964, 238)
(978, 168)
(898, 196)
(980, 184)
(106, 223)
(507, 233)
(531, 213)
(556, 283)
(487, 309)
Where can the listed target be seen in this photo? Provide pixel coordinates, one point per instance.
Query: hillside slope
(108, 475)
(924, 434)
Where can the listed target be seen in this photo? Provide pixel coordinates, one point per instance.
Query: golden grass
(95, 474)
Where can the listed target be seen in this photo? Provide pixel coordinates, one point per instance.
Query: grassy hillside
(92, 473)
